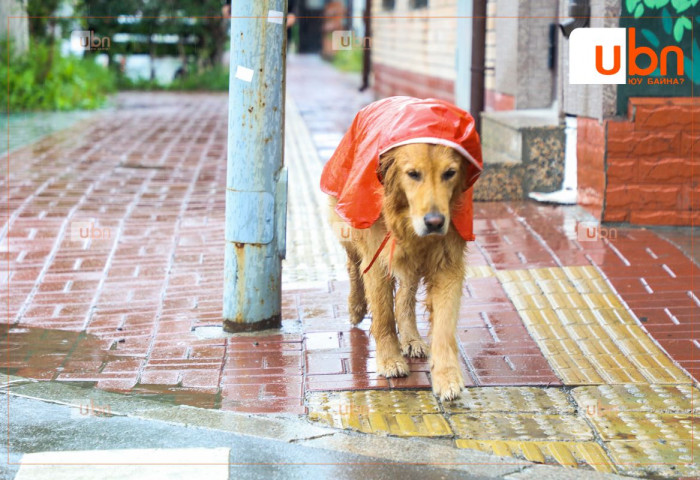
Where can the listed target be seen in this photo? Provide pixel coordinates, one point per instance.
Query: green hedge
(211, 79)
(348, 60)
(42, 80)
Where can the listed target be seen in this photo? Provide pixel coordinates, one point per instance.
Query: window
(415, 4)
(388, 4)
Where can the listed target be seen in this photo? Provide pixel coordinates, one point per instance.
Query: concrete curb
(298, 430)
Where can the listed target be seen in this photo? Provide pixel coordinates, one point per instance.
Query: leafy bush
(41, 79)
(210, 79)
(215, 78)
(348, 60)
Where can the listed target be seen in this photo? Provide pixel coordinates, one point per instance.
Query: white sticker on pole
(245, 74)
(274, 16)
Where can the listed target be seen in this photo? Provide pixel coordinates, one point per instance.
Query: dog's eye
(448, 174)
(413, 174)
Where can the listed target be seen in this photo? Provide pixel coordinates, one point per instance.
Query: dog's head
(421, 184)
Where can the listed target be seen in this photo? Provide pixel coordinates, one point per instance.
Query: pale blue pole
(256, 180)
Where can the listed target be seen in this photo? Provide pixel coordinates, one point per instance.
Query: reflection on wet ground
(83, 359)
(28, 127)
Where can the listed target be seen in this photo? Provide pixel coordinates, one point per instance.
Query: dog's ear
(463, 176)
(386, 161)
(462, 183)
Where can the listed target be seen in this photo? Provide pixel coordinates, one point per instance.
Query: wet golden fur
(438, 259)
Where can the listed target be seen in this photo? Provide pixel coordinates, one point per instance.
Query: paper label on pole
(245, 74)
(274, 16)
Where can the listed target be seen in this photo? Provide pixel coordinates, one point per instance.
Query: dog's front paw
(415, 348)
(357, 314)
(393, 367)
(447, 383)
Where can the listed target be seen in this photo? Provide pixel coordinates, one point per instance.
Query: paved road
(37, 426)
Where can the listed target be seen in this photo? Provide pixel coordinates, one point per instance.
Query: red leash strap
(379, 250)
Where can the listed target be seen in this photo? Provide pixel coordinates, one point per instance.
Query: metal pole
(256, 180)
(478, 67)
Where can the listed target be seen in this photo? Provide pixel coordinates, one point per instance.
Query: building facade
(636, 142)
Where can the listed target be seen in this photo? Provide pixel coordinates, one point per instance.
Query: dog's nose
(434, 221)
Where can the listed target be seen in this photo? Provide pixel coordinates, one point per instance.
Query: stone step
(523, 152)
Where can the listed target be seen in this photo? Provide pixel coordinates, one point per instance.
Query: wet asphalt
(37, 426)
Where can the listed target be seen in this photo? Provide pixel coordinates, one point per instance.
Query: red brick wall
(389, 81)
(643, 170)
(653, 163)
(590, 154)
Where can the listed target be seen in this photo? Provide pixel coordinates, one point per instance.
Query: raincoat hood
(351, 174)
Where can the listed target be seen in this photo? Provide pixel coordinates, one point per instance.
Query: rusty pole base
(237, 327)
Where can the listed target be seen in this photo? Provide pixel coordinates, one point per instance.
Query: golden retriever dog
(422, 182)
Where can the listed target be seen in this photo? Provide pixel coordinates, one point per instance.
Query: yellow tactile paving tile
(480, 271)
(399, 424)
(555, 286)
(563, 300)
(567, 454)
(591, 346)
(394, 412)
(658, 368)
(615, 368)
(588, 331)
(528, 302)
(540, 317)
(656, 458)
(521, 288)
(593, 285)
(511, 399)
(614, 317)
(575, 317)
(553, 273)
(584, 330)
(637, 398)
(612, 425)
(520, 426)
(506, 276)
(575, 369)
(637, 341)
(374, 401)
(549, 332)
(597, 301)
(557, 347)
(587, 272)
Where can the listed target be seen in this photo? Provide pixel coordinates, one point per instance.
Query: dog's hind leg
(357, 302)
(380, 293)
(412, 344)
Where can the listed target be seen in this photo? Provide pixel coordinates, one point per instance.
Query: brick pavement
(136, 307)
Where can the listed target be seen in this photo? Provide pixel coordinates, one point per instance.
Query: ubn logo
(343, 231)
(81, 409)
(80, 231)
(86, 40)
(591, 231)
(593, 408)
(609, 55)
(347, 40)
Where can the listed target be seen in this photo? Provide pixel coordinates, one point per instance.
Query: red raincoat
(351, 173)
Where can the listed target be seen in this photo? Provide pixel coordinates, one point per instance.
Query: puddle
(209, 332)
(78, 358)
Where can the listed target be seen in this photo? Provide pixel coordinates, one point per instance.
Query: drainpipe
(256, 179)
(478, 67)
(580, 13)
(367, 52)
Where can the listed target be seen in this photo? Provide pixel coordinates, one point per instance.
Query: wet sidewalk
(580, 352)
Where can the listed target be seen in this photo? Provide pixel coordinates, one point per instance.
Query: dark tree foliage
(197, 23)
